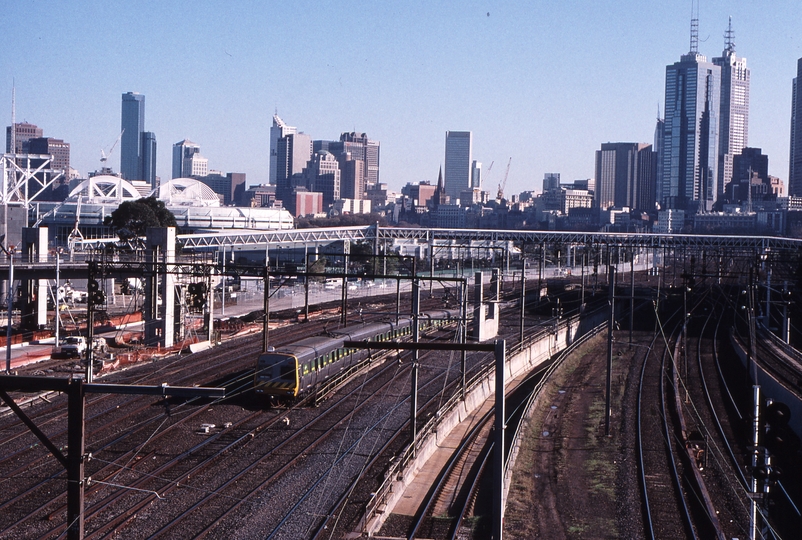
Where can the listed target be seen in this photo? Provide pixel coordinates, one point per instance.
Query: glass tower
(689, 179)
(734, 113)
(458, 163)
(133, 126)
(795, 172)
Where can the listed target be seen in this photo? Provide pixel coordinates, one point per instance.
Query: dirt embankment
(571, 480)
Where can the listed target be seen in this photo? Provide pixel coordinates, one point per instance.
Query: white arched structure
(186, 192)
(105, 189)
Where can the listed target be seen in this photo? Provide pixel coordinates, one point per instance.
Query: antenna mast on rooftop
(729, 38)
(694, 28)
(13, 118)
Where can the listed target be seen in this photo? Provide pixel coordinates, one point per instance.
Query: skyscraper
(292, 154)
(133, 126)
(795, 171)
(659, 133)
(476, 174)
(323, 176)
(59, 149)
(689, 178)
(187, 160)
(279, 130)
(149, 158)
(24, 132)
(734, 113)
(459, 145)
(625, 176)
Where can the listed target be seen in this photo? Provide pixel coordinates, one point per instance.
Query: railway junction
(665, 406)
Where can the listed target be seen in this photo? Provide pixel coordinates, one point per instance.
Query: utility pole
(266, 330)
(631, 296)
(464, 323)
(523, 299)
(415, 339)
(610, 327)
(76, 390)
(498, 443)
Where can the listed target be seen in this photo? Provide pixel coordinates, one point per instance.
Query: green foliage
(345, 220)
(317, 267)
(132, 218)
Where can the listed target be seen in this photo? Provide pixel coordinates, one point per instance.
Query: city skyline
(546, 86)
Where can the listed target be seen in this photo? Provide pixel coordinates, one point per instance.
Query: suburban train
(297, 369)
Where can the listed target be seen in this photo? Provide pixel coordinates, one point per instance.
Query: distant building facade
(323, 176)
(149, 159)
(292, 154)
(625, 176)
(188, 161)
(231, 187)
(278, 131)
(458, 162)
(795, 167)
(476, 174)
(59, 149)
(133, 126)
(23, 133)
(734, 109)
(750, 178)
(690, 150)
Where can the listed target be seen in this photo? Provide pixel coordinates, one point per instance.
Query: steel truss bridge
(213, 241)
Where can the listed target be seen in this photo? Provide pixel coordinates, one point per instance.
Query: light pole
(10, 301)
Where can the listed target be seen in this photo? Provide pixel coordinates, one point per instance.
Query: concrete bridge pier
(159, 309)
(34, 291)
(486, 314)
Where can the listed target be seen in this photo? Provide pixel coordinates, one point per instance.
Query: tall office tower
(293, 151)
(476, 174)
(750, 176)
(795, 171)
(458, 163)
(231, 186)
(551, 182)
(734, 112)
(371, 163)
(352, 177)
(364, 149)
(323, 176)
(59, 149)
(149, 158)
(690, 139)
(133, 126)
(277, 131)
(24, 132)
(187, 160)
(659, 131)
(625, 176)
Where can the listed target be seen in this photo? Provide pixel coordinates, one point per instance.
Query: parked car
(73, 347)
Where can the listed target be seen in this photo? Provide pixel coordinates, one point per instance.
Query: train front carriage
(277, 374)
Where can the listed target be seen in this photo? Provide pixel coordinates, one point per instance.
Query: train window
(288, 371)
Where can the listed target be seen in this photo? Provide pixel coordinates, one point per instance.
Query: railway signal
(197, 296)
(96, 296)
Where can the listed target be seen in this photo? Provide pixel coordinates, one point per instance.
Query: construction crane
(503, 183)
(103, 155)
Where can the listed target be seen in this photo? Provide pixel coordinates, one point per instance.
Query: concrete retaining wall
(771, 388)
(563, 334)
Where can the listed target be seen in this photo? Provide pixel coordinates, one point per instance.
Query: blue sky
(542, 82)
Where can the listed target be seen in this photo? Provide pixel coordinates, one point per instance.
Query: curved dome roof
(186, 192)
(105, 188)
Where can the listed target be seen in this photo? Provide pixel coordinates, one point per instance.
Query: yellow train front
(294, 370)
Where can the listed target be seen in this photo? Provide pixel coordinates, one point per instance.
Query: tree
(132, 218)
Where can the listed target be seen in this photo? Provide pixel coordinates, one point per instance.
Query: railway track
(112, 423)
